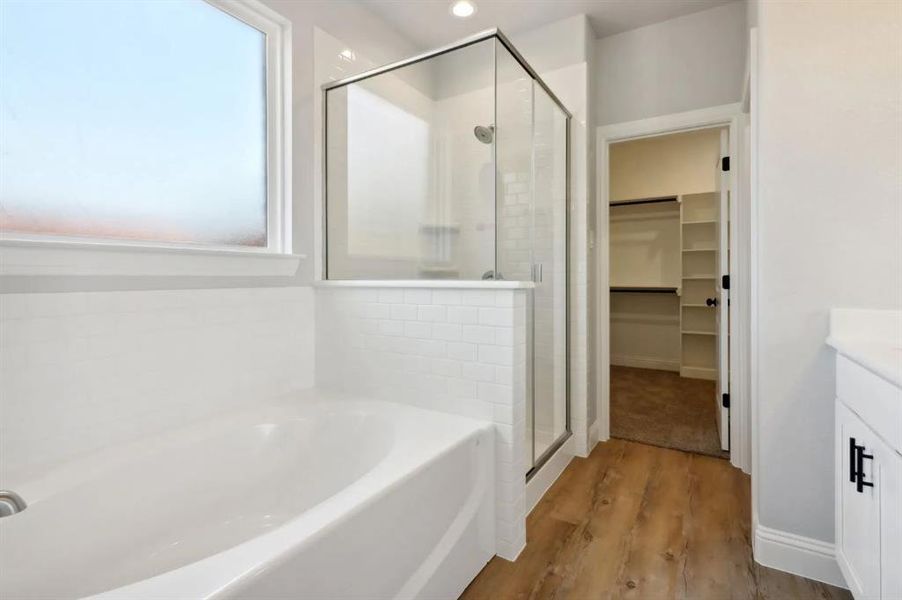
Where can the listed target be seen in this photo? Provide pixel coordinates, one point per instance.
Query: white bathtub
(299, 499)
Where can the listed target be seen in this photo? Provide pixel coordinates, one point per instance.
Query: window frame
(46, 252)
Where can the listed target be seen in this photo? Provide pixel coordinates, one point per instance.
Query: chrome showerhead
(484, 134)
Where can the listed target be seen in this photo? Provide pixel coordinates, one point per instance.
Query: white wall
(683, 163)
(556, 45)
(829, 206)
(645, 331)
(683, 64)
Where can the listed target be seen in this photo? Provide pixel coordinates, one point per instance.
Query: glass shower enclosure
(454, 165)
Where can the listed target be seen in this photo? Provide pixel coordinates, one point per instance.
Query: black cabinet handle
(861, 483)
(856, 465)
(853, 460)
(711, 301)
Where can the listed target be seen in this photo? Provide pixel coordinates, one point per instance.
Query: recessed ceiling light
(463, 9)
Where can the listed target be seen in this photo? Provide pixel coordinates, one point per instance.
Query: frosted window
(138, 120)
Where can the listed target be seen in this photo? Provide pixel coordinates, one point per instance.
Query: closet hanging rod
(645, 290)
(645, 201)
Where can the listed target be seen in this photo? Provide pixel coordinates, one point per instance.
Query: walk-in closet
(665, 238)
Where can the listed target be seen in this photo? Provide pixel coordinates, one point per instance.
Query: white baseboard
(645, 362)
(509, 552)
(548, 474)
(698, 373)
(797, 554)
(592, 435)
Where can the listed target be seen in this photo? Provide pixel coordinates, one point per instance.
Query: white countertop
(871, 338)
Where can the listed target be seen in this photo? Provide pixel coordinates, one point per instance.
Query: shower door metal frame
(539, 462)
(482, 36)
(467, 41)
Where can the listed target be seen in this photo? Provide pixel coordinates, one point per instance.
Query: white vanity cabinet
(868, 509)
(868, 452)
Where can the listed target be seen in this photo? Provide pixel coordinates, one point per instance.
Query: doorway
(668, 252)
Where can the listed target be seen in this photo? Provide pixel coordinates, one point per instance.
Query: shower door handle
(537, 273)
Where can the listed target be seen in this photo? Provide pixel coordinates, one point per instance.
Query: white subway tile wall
(83, 371)
(514, 230)
(456, 351)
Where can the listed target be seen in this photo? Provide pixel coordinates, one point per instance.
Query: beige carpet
(663, 409)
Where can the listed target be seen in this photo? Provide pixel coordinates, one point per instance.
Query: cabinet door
(858, 515)
(891, 524)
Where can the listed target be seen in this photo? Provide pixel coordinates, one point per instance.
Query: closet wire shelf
(645, 201)
(643, 290)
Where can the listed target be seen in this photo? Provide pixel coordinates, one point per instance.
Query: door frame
(722, 315)
(733, 117)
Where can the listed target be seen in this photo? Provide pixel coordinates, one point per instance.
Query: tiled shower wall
(83, 371)
(460, 351)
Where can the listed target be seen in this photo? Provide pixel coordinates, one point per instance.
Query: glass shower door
(514, 197)
(549, 244)
(531, 205)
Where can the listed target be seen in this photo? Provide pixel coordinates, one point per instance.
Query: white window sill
(50, 258)
(488, 284)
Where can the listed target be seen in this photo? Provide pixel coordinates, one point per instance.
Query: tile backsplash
(82, 371)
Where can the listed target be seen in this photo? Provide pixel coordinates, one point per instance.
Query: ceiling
(428, 23)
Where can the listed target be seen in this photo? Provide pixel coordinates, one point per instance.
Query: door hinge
(724, 163)
(725, 400)
(725, 282)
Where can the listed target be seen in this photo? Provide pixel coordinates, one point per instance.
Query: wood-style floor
(638, 521)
